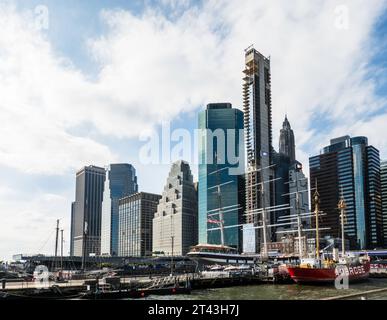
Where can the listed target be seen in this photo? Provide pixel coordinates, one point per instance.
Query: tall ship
(323, 269)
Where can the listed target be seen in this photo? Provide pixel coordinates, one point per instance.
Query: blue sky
(105, 72)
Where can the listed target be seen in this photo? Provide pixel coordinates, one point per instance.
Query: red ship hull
(324, 275)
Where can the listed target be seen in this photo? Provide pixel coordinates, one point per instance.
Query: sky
(82, 82)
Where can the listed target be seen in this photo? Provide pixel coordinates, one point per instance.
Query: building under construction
(258, 136)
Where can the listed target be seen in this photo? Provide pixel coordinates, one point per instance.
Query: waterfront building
(121, 181)
(175, 225)
(383, 180)
(220, 177)
(258, 135)
(87, 211)
(349, 167)
(136, 214)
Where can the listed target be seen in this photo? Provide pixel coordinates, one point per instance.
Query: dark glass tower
(87, 211)
(217, 121)
(287, 145)
(349, 166)
(121, 181)
(383, 180)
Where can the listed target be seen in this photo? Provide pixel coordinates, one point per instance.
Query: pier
(143, 284)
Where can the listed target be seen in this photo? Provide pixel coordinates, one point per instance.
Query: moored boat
(220, 255)
(318, 270)
(328, 272)
(378, 269)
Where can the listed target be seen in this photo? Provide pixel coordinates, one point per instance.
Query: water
(281, 292)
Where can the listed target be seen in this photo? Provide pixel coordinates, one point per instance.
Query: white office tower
(175, 224)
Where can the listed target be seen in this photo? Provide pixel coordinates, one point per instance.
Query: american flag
(213, 221)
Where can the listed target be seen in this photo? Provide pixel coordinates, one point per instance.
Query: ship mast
(316, 211)
(300, 242)
(56, 243)
(264, 227)
(221, 218)
(220, 221)
(342, 206)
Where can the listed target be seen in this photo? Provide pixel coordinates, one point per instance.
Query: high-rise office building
(87, 211)
(72, 221)
(287, 145)
(136, 214)
(298, 195)
(383, 180)
(175, 225)
(291, 183)
(220, 175)
(349, 167)
(258, 135)
(282, 166)
(121, 181)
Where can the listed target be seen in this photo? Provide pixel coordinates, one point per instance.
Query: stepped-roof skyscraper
(287, 145)
(175, 225)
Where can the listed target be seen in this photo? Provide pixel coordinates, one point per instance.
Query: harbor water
(283, 292)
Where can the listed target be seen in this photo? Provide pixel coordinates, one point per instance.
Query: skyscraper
(351, 168)
(298, 184)
(136, 214)
(87, 211)
(121, 181)
(175, 225)
(258, 135)
(291, 183)
(383, 179)
(286, 141)
(219, 175)
(72, 229)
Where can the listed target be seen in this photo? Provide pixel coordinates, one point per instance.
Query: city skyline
(38, 169)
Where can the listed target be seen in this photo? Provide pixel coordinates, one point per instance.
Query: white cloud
(28, 224)
(153, 68)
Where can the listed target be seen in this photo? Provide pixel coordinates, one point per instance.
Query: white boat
(219, 254)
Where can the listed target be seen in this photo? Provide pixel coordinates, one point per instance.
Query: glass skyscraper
(350, 167)
(121, 181)
(221, 136)
(383, 179)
